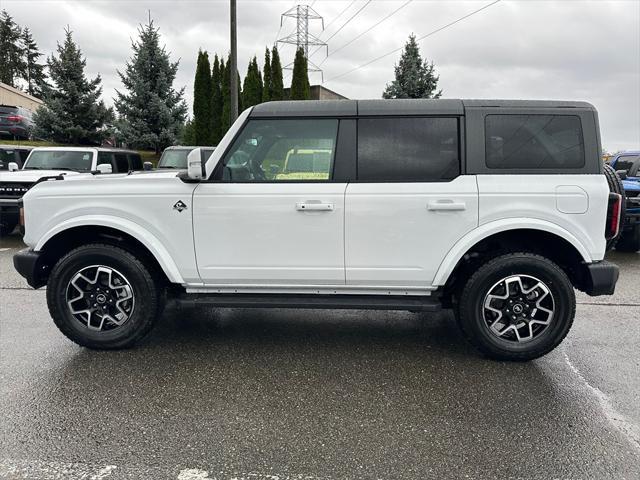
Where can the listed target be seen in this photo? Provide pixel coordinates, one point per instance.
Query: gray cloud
(515, 49)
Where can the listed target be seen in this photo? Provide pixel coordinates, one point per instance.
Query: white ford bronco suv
(497, 209)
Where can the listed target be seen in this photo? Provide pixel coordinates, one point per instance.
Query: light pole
(233, 78)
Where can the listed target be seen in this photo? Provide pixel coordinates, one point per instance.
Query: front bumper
(32, 267)
(601, 278)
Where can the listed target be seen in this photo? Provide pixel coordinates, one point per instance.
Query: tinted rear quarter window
(534, 142)
(135, 161)
(627, 163)
(408, 149)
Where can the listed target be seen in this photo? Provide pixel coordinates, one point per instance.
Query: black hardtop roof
(345, 108)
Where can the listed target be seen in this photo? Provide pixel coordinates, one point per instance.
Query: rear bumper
(601, 278)
(31, 266)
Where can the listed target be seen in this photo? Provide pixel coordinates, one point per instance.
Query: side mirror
(105, 168)
(146, 166)
(13, 167)
(194, 164)
(622, 174)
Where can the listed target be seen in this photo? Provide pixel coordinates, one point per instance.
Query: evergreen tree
(33, 71)
(216, 100)
(11, 59)
(152, 111)
(72, 111)
(188, 134)
(252, 89)
(226, 97)
(415, 78)
(266, 88)
(277, 84)
(300, 89)
(202, 103)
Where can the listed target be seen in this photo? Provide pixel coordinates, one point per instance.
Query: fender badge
(180, 206)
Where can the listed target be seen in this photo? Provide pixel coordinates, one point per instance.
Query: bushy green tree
(414, 78)
(11, 58)
(72, 111)
(277, 84)
(252, 88)
(266, 86)
(151, 111)
(300, 89)
(33, 71)
(216, 100)
(202, 103)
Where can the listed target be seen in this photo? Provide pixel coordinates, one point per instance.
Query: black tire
(7, 227)
(145, 304)
(630, 240)
(616, 186)
(471, 308)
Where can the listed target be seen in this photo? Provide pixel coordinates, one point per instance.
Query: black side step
(363, 302)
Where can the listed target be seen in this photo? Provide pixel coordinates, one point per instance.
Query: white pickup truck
(497, 209)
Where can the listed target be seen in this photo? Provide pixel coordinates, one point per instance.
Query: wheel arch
(123, 233)
(536, 236)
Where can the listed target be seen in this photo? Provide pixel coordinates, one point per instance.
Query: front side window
(408, 149)
(59, 160)
(174, 158)
(282, 150)
(534, 142)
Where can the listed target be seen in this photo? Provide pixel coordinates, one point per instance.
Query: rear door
(410, 204)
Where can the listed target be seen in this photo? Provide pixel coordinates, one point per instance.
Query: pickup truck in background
(627, 166)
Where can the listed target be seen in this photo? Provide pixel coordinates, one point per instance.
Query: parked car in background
(627, 165)
(176, 156)
(46, 162)
(13, 153)
(497, 209)
(15, 122)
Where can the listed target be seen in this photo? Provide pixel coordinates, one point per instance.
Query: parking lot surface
(304, 394)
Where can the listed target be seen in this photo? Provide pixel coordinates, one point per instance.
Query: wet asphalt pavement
(297, 394)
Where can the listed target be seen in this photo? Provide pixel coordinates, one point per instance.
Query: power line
(417, 40)
(337, 17)
(343, 25)
(367, 30)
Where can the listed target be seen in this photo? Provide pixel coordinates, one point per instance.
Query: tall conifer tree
(252, 89)
(277, 84)
(266, 88)
(300, 89)
(216, 100)
(202, 104)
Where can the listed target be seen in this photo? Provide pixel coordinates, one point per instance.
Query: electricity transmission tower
(301, 38)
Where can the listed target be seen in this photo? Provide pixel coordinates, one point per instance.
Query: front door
(276, 217)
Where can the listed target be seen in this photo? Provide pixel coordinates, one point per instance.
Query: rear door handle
(448, 205)
(315, 206)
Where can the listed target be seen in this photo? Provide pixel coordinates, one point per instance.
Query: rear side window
(534, 142)
(122, 164)
(408, 149)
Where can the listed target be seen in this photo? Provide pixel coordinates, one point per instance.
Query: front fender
(154, 246)
(486, 230)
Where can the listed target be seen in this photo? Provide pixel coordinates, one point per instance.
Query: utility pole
(233, 67)
(301, 38)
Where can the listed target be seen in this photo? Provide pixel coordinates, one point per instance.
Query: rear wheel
(630, 240)
(101, 296)
(518, 306)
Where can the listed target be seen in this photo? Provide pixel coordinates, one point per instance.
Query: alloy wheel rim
(518, 308)
(100, 298)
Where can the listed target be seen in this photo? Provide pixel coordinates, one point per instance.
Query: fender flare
(478, 234)
(147, 239)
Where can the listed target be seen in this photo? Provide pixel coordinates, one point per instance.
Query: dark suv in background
(15, 122)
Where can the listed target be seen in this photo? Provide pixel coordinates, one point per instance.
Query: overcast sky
(570, 50)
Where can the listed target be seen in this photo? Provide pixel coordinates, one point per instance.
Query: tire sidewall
(492, 273)
(144, 293)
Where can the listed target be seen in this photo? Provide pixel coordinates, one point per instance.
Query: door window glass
(282, 150)
(408, 149)
(122, 164)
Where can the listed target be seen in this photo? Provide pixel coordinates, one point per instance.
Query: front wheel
(518, 306)
(102, 297)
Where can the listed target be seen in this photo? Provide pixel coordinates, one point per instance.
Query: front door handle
(448, 205)
(315, 206)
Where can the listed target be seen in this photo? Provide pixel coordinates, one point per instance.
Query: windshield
(59, 160)
(174, 159)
